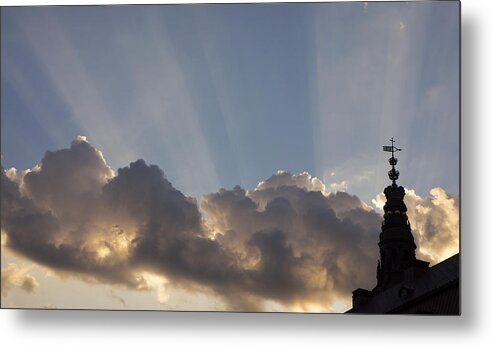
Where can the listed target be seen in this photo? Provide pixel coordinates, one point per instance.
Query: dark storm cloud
(119, 227)
(298, 249)
(287, 241)
(37, 226)
(143, 194)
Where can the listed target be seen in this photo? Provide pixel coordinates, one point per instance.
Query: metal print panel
(296, 157)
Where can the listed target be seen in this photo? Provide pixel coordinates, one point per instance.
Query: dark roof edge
(425, 296)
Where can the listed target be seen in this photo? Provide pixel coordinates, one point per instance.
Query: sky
(257, 124)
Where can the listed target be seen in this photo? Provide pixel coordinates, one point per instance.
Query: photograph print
(256, 157)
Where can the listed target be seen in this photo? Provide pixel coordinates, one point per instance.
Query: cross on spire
(393, 173)
(391, 148)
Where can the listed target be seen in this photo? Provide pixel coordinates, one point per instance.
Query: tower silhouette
(406, 284)
(396, 242)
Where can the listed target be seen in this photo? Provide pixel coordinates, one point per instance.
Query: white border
(86, 328)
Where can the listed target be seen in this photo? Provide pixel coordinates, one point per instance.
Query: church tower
(396, 243)
(406, 284)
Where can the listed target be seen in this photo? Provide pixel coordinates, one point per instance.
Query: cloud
(15, 277)
(287, 242)
(297, 246)
(159, 284)
(435, 223)
(79, 220)
(59, 223)
(68, 180)
(302, 180)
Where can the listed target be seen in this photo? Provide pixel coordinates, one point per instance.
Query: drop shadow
(469, 188)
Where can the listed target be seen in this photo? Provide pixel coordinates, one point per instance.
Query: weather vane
(393, 173)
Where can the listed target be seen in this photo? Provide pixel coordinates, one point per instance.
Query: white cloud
(302, 180)
(339, 186)
(435, 224)
(434, 221)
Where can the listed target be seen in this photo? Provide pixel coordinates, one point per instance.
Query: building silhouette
(406, 284)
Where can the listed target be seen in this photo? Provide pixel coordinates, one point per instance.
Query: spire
(396, 243)
(397, 265)
(393, 173)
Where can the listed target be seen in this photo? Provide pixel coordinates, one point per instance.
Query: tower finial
(393, 173)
